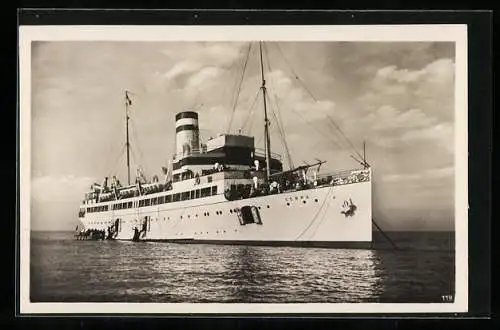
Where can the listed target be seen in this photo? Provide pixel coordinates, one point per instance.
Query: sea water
(65, 270)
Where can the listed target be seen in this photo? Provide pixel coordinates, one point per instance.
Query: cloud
(298, 100)
(189, 58)
(389, 118)
(223, 53)
(182, 68)
(429, 89)
(439, 71)
(400, 102)
(405, 108)
(431, 174)
(441, 134)
(202, 76)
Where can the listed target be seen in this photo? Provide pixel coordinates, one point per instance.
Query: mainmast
(128, 102)
(267, 139)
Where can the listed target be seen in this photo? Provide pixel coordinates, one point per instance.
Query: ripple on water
(67, 270)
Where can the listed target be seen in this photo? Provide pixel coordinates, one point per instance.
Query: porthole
(268, 206)
(304, 202)
(316, 200)
(230, 211)
(287, 204)
(301, 197)
(296, 197)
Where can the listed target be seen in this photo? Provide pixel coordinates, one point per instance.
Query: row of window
(102, 208)
(193, 194)
(120, 206)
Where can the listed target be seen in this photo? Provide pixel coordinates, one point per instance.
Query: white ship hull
(312, 217)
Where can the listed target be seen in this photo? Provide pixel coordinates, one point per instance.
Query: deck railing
(262, 153)
(333, 178)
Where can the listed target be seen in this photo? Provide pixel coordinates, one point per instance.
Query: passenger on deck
(273, 187)
(264, 189)
(298, 185)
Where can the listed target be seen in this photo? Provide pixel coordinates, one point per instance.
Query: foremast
(128, 102)
(267, 138)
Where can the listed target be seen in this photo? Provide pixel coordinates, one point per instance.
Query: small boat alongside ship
(227, 191)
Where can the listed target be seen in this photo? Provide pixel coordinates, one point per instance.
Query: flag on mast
(128, 100)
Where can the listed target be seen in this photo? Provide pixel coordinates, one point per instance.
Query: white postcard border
(373, 33)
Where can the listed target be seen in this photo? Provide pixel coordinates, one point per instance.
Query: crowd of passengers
(295, 182)
(93, 234)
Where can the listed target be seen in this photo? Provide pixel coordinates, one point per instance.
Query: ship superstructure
(227, 191)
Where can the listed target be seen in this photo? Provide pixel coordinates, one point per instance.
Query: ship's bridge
(236, 152)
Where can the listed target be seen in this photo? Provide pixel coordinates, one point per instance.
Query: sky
(396, 96)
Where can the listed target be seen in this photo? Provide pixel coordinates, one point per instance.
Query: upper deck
(239, 184)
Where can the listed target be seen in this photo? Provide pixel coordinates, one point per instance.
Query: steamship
(227, 191)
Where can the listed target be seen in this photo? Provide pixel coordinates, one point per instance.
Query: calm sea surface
(65, 270)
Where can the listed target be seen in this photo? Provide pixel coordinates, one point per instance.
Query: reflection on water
(84, 271)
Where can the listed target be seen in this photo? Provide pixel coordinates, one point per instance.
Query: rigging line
(385, 235)
(136, 146)
(282, 134)
(116, 128)
(235, 103)
(314, 98)
(232, 69)
(307, 89)
(324, 217)
(283, 129)
(260, 139)
(280, 119)
(283, 138)
(331, 139)
(250, 110)
(327, 197)
(112, 157)
(342, 133)
(142, 159)
(314, 127)
(118, 159)
(253, 114)
(134, 158)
